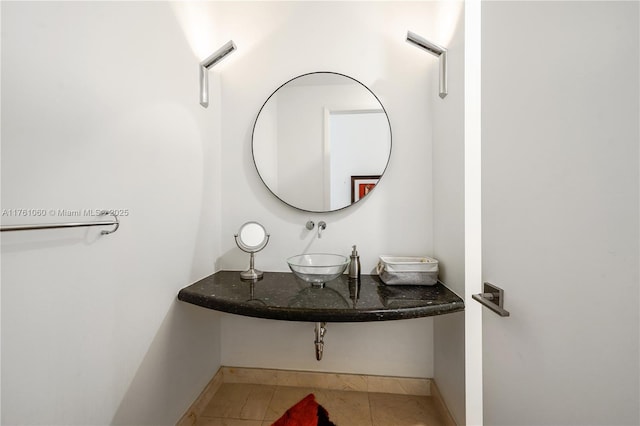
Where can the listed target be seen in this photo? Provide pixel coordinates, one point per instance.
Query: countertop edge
(318, 315)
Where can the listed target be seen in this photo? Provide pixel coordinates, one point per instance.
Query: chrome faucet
(322, 225)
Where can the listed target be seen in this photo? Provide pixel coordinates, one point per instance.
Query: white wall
(448, 224)
(367, 42)
(560, 132)
(100, 110)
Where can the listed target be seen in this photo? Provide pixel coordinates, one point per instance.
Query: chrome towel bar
(115, 222)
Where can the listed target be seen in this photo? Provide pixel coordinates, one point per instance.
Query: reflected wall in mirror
(314, 134)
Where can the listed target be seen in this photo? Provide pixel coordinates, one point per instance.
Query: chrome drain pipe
(320, 332)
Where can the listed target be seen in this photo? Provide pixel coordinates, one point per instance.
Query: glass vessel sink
(318, 268)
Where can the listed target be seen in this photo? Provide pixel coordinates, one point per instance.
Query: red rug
(305, 413)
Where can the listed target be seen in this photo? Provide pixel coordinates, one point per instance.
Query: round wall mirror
(251, 238)
(321, 142)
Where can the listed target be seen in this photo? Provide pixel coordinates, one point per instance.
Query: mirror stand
(252, 273)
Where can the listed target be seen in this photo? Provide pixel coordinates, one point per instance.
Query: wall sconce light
(436, 50)
(207, 64)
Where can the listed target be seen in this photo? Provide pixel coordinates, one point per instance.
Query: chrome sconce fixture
(207, 64)
(435, 50)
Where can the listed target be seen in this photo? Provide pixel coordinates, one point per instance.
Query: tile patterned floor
(241, 404)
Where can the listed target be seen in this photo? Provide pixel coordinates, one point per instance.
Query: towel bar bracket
(493, 298)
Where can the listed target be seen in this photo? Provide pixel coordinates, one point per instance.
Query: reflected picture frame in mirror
(315, 132)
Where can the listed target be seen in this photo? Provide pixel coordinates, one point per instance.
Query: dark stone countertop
(283, 296)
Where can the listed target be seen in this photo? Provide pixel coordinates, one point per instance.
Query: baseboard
(446, 414)
(322, 380)
(334, 381)
(195, 410)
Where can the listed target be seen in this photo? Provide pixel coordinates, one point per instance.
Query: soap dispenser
(354, 266)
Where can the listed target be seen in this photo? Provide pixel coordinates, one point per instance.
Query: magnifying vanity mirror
(251, 238)
(321, 142)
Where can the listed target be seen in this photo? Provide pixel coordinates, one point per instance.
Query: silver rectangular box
(408, 270)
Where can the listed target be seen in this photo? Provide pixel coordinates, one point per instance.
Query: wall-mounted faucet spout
(322, 225)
